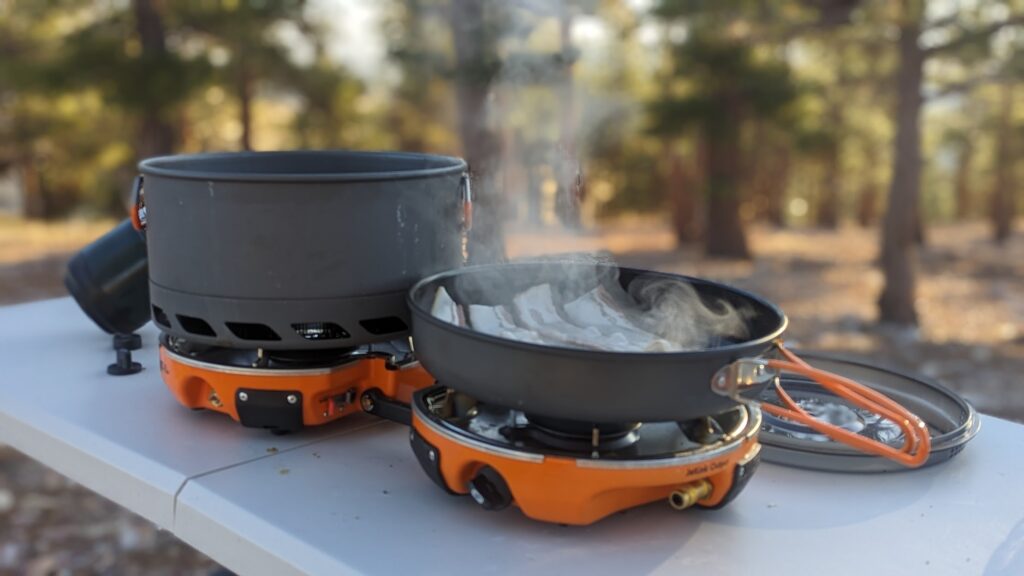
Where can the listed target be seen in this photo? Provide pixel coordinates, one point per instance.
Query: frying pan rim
(163, 166)
(417, 310)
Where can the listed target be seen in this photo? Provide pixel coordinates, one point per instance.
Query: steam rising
(673, 310)
(576, 301)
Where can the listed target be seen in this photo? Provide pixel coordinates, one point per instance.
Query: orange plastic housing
(570, 491)
(327, 393)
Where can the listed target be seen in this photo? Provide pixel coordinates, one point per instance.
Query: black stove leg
(740, 476)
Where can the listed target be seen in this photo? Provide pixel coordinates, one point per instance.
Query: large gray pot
(296, 250)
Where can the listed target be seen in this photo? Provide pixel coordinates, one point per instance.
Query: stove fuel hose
(916, 438)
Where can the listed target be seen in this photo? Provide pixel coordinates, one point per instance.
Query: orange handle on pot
(137, 211)
(466, 196)
(916, 438)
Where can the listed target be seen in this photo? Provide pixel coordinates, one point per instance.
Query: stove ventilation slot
(161, 317)
(196, 326)
(320, 331)
(387, 325)
(248, 331)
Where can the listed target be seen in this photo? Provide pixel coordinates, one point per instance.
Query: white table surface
(351, 498)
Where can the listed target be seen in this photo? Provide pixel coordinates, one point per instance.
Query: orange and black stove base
(572, 473)
(286, 391)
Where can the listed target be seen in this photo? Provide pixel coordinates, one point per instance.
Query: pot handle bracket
(466, 197)
(137, 210)
(740, 378)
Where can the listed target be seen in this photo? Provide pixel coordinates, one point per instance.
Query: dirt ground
(971, 302)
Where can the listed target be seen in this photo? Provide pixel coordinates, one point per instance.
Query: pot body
(566, 383)
(296, 250)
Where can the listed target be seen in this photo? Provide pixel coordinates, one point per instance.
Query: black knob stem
(124, 365)
(128, 341)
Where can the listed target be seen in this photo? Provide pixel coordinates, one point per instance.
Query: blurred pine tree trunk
(725, 236)
(831, 178)
(867, 204)
(475, 55)
(769, 175)
(902, 223)
(1003, 205)
(245, 97)
(828, 204)
(682, 186)
(156, 134)
(36, 204)
(963, 180)
(775, 189)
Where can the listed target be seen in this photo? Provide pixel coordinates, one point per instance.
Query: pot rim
(171, 166)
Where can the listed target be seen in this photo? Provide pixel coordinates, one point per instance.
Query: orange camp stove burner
(573, 473)
(283, 391)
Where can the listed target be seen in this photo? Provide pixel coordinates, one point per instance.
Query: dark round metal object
(951, 420)
(296, 250)
(571, 435)
(587, 385)
(490, 490)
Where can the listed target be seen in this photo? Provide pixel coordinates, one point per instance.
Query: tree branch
(535, 6)
(975, 35)
(942, 22)
(965, 86)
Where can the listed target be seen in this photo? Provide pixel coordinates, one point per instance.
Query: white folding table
(350, 498)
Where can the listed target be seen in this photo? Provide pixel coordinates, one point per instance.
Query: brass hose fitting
(689, 494)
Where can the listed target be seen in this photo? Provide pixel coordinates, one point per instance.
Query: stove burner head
(577, 436)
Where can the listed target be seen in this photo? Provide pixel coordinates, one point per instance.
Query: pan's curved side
(584, 385)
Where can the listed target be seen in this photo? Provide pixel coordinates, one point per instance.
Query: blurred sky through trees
(713, 115)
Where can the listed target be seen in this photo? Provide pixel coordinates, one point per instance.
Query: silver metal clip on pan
(746, 375)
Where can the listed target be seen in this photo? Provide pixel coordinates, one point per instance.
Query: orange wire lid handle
(735, 378)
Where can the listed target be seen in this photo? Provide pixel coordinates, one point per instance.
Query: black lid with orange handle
(951, 421)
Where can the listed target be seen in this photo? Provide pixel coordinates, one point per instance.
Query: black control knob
(490, 490)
